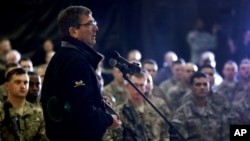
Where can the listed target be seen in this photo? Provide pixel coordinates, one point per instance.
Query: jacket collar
(92, 56)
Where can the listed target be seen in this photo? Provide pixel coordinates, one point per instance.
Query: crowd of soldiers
(189, 98)
(21, 114)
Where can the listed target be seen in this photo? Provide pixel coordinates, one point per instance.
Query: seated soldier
(20, 120)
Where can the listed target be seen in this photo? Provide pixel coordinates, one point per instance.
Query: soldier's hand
(107, 100)
(116, 122)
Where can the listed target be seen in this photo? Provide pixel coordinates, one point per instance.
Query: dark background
(151, 26)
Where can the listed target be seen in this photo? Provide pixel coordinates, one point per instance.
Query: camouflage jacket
(139, 125)
(167, 84)
(3, 93)
(201, 125)
(221, 103)
(175, 95)
(27, 127)
(158, 92)
(161, 105)
(118, 92)
(240, 113)
(230, 90)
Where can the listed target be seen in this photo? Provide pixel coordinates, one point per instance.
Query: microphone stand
(172, 130)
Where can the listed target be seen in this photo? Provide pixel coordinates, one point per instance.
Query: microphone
(122, 64)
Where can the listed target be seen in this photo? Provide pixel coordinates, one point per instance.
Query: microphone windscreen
(112, 62)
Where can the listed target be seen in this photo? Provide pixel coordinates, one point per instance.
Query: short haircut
(232, 62)
(17, 71)
(179, 61)
(197, 75)
(149, 61)
(141, 74)
(9, 65)
(70, 17)
(25, 59)
(31, 73)
(245, 61)
(206, 66)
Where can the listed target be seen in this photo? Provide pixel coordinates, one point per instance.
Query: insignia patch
(79, 83)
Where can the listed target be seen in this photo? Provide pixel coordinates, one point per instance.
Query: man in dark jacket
(71, 98)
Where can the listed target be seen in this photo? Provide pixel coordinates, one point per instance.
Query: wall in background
(153, 27)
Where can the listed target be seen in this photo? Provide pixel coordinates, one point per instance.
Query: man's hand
(107, 100)
(116, 122)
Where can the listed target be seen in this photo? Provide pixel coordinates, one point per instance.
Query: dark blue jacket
(71, 98)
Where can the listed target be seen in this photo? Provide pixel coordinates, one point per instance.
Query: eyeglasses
(140, 85)
(90, 23)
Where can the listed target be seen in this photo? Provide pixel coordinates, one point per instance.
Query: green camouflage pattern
(118, 92)
(201, 125)
(144, 126)
(31, 125)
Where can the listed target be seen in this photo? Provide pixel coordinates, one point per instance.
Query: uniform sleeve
(178, 122)
(41, 134)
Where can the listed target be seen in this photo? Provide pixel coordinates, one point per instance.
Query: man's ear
(6, 85)
(127, 85)
(73, 32)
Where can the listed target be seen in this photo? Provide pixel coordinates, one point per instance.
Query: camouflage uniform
(161, 105)
(240, 94)
(140, 125)
(229, 90)
(167, 84)
(158, 92)
(3, 93)
(108, 135)
(118, 92)
(204, 124)
(240, 113)
(175, 94)
(219, 101)
(30, 126)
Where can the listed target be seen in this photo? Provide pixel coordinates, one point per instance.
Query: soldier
(151, 66)
(157, 101)
(177, 70)
(244, 80)
(218, 100)
(230, 86)
(140, 121)
(198, 119)
(240, 113)
(35, 85)
(117, 87)
(176, 93)
(20, 120)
